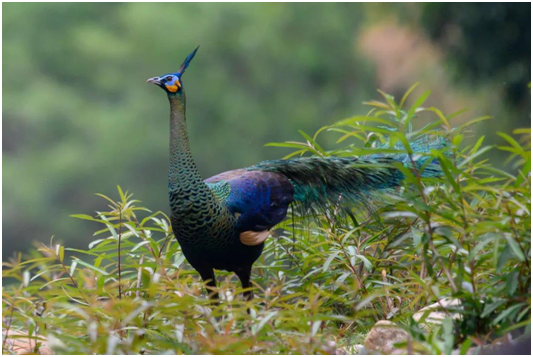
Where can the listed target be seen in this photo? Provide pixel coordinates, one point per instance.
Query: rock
(434, 313)
(520, 347)
(383, 336)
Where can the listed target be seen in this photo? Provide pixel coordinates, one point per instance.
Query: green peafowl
(222, 222)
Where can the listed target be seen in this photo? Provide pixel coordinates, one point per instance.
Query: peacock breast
(198, 220)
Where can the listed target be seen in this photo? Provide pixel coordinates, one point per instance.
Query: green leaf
(107, 198)
(289, 145)
(472, 122)
(110, 227)
(441, 116)
(404, 98)
(61, 253)
(122, 196)
(257, 327)
(312, 142)
(459, 112)
(483, 241)
(357, 120)
(514, 144)
(377, 104)
(81, 262)
(448, 335)
(367, 300)
(53, 281)
(473, 156)
(505, 255)
(496, 253)
(447, 169)
(507, 313)
(73, 267)
(180, 258)
(390, 99)
(98, 260)
(515, 247)
(512, 283)
(465, 346)
(133, 230)
(366, 262)
(477, 145)
(146, 219)
(415, 106)
(489, 308)
(86, 217)
(329, 260)
(144, 242)
(526, 169)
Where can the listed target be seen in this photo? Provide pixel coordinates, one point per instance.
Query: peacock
(222, 222)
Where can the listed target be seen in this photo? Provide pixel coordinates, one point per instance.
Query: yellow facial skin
(174, 88)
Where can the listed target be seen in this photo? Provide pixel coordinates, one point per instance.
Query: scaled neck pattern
(182, 173)
(198, 219)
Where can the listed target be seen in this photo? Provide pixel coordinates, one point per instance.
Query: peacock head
(171, 82)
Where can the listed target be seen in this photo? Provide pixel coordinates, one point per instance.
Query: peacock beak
(154, 80)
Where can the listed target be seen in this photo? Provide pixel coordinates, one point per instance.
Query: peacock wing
(258, 199)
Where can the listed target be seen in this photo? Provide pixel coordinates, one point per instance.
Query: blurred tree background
(79, 119)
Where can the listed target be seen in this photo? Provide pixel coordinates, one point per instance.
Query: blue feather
(188, 60)
(259, 200)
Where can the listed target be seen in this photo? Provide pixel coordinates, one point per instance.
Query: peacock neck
(195, 211)
(182, 170)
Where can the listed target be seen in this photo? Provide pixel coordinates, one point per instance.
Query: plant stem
(118, 251)
(8, 327)
(139, 276)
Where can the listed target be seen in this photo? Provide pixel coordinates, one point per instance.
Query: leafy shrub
(319, 286)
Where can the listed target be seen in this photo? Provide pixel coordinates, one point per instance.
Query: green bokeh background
(78, 117)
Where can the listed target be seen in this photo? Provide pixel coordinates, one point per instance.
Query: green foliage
(319, 287)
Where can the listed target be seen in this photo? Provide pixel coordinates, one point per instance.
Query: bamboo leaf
(406, 95)
(515, 247)
(90, 266)
(415, 106)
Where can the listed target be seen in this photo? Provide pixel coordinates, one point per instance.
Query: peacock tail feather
(327, 184)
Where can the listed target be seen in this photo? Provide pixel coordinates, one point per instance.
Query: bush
(319, 286)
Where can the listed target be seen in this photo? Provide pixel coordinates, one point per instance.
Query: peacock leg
(244, 276)
(208, 276)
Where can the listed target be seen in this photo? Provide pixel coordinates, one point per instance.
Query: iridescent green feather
(327, 184)
(220, 189)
